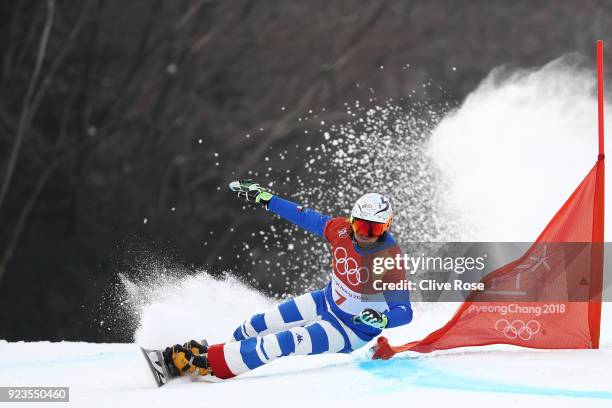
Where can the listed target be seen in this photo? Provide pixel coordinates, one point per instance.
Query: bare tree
(27, 111)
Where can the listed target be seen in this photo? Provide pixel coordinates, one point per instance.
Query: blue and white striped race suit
(320, 321)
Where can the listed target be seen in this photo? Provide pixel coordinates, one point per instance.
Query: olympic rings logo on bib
(346, 265)
(518, 328)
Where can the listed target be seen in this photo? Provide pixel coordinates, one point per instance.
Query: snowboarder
(340, 318)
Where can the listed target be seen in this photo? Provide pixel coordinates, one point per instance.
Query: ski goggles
(368, 228)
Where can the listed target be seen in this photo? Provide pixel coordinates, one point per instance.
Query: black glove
(251, 191)
(372, 318)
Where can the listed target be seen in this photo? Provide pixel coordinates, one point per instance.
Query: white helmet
(373, 207)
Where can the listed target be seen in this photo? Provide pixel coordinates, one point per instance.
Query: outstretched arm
(310, 220)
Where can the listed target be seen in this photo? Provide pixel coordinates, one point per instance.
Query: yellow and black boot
(188, 358)
(197, 348)
(200, 357)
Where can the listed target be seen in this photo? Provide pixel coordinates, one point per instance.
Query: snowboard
(155, 360)
(162, 373)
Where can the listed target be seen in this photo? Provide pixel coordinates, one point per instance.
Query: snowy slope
(102, 375)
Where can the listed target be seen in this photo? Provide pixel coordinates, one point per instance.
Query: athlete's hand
(372, 318)
(251, 191)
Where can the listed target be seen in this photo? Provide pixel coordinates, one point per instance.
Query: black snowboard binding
(163, 368)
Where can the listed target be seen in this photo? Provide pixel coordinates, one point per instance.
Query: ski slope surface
(544, 122)
(104, 375)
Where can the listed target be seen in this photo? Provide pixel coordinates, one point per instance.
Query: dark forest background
(113, 112)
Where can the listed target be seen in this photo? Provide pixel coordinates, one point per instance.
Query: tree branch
(281, 126)
(24, 120)
(27, 209)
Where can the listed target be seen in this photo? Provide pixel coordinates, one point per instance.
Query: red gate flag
(550, 298)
